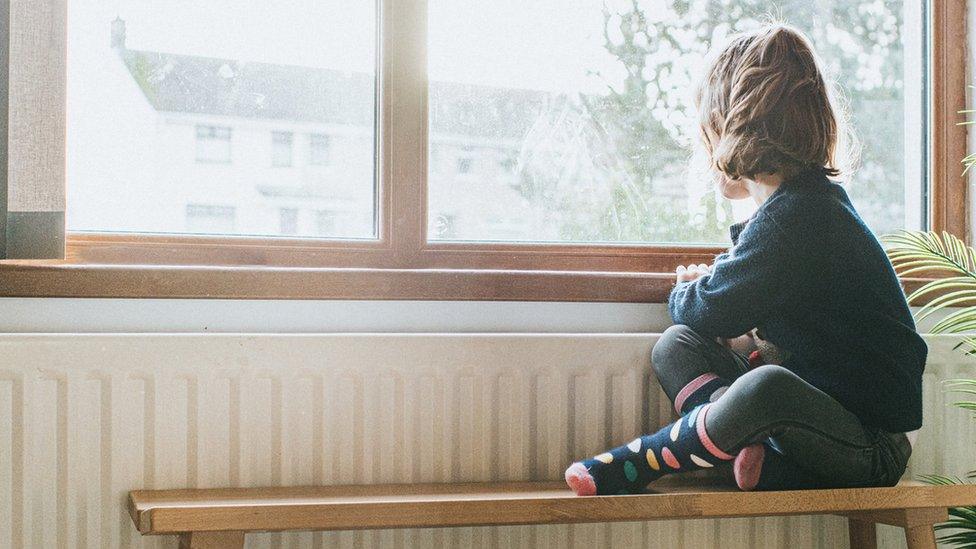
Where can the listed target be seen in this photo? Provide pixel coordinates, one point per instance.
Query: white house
(226, 147)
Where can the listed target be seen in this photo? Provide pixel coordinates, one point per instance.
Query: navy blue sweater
(809, 274)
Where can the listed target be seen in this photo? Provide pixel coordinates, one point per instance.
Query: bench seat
(221, 517)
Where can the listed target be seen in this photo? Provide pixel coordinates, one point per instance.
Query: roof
(206, 85)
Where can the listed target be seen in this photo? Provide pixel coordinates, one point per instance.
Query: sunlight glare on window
(573, 121)
(207, 118)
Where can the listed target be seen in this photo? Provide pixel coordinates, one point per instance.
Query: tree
(631, 144)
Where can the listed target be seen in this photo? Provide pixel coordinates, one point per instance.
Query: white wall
(48, 315)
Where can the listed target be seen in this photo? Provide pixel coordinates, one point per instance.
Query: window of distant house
(281, 151)
(595, 102)
(465, 163)
(213, 144)
(288, 221)
(159, 91)
(209, 219)
(325, 221)
(319, 149)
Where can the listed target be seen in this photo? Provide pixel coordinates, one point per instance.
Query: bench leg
(918, 525)
(864, 535)
(212, 540)
(920, 537)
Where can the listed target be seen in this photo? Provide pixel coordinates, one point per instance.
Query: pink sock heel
(747, 467)
(580, 480)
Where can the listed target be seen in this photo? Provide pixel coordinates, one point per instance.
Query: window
(597, 99)
(535, 150)
(288, 220)
(159, 92)
(319, 149)
(207, 219)
(213, 144)
(281, 149)
(325, 222)
(464, 164)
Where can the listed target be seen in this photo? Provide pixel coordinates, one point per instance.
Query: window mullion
(404, 32)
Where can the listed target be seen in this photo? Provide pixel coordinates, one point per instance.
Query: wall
(20, 315)
(85, 418)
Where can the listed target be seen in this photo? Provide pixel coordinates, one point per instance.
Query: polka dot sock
(701, 390)
(682, 446)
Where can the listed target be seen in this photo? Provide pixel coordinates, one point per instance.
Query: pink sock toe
(580, 480)
(748, 466)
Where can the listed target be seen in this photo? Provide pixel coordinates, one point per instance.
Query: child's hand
(744, 344)
(691, 272)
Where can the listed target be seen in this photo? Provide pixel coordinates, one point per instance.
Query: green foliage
(967, 387)
(142, 71)
(970, 159)
(928, 253)
(961, 526)
(638, 132)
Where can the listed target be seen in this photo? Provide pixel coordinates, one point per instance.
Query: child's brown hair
(765, 107)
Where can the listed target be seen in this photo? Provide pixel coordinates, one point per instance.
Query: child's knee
(771, 376)
(672, 341)
(766, 388)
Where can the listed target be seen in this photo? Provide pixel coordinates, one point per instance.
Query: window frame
(401, 263)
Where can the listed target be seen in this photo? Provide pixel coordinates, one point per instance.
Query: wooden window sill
(154, 281)
(40, 279)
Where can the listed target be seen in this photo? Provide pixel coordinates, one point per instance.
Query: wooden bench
(219, 518)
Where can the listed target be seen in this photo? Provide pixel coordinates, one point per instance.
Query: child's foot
(748, 466)
(762, 467)
(580, 480)
(682, 446)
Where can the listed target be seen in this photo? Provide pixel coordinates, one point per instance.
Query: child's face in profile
(733, 189)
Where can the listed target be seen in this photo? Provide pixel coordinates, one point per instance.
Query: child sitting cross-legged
(841, 407)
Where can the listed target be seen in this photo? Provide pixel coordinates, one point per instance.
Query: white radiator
(86, 418)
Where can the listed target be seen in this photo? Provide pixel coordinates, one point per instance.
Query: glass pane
(207, 118)
(573, 121)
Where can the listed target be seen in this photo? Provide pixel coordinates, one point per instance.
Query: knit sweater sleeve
(746, 283)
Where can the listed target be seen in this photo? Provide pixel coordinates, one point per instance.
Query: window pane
(213, 144)
(281, 149)
(318, 149)
(560, 120)
(203, 117)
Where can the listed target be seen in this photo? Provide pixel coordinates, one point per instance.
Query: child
(810, 275)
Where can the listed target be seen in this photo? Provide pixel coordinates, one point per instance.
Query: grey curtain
(32, 128)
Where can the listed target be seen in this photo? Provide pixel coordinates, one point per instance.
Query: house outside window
(281, 149)
(465, 164)
(288, 220)
(325, 221)
(213, 144)
(319, 149)
(210, 219)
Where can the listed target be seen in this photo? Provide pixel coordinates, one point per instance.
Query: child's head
(765, 108)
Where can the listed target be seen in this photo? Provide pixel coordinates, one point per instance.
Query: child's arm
(742, 287)
(743, 344)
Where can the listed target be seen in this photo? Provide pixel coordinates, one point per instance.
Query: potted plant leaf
(953, 294)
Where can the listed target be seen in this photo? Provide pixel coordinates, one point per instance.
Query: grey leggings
(772, 404)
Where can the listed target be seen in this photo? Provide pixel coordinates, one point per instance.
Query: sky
(541, 44)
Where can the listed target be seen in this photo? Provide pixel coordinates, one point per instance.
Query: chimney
(118, 33)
